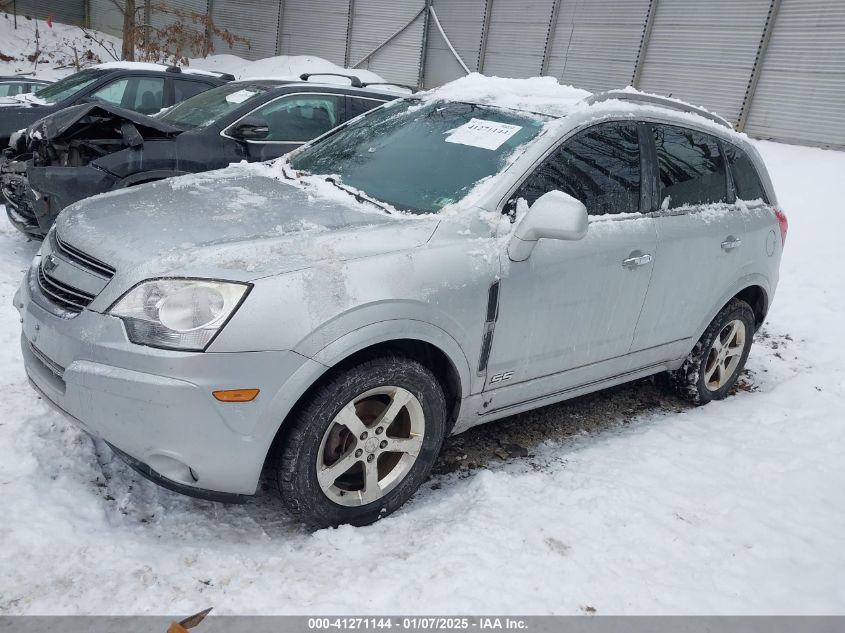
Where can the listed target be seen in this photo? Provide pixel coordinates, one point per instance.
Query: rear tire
(715, 363)
(363, 443)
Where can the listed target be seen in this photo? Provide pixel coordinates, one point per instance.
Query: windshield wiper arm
(359, 197)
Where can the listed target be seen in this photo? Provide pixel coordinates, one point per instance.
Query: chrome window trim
(266, 103)
(615, 117)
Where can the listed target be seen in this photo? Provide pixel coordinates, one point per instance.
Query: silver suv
(434, 264)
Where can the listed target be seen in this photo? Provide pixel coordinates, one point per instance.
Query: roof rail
(354, 81)
(214, 73)
(664, 102)
(366, 84)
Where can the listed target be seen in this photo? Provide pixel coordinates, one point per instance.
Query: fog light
(236, 395)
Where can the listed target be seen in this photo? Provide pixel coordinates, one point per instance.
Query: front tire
(362, 444)
(715, 363)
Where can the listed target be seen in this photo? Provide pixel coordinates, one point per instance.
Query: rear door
(700, 240)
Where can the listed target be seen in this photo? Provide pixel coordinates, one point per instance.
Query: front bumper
(14, 192)
(156, 406)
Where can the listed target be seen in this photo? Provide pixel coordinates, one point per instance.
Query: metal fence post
(644, 40)
(280, 27)
(424, 49)
(348, 57)
(758, 64)
(547, 52)
(485, 28)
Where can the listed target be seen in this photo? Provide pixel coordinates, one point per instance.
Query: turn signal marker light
(236, 395)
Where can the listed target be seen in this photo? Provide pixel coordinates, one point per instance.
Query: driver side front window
(600, 167)
(300, 118)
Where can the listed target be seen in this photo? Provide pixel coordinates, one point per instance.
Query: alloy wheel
(370, 446)
(725, 355)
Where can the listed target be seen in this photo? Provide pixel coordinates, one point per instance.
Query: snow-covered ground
(736, 507)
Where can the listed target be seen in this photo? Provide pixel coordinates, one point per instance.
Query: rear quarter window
(359, 105)
(184, 89)
(690, 166)
(747, 183)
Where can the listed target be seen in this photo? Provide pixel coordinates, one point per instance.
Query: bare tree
(183, 34)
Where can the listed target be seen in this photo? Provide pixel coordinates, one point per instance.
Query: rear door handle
(637, 259)
(731, 243)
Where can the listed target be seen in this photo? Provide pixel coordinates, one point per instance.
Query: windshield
(207, 107)
(69, 86)
(419, 158)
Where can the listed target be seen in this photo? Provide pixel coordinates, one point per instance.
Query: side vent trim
(489, 326)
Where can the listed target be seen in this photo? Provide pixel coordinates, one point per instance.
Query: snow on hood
(237, 223)
(535, 94)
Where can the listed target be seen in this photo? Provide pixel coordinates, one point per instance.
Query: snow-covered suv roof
(544, 95)
(157, 68)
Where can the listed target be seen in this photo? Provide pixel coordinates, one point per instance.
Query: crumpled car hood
(54, 125)
(232, 224)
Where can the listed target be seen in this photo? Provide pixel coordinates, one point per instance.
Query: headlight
(178, 313)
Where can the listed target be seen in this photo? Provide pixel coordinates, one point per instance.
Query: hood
(232, 224)
(55, 125)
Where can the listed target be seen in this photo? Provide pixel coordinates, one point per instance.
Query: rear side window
(7, 90)
(691, 167)
(184, 89)
(600, 167)
(746, 180)
(142, 94)
(148, 97)
(359, 106)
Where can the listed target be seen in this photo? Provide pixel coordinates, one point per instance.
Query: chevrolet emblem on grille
(50, 263)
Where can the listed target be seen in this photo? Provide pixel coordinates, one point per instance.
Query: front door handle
(637, 259)
(731, 242)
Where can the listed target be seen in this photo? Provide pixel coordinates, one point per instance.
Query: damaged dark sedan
(94, 148)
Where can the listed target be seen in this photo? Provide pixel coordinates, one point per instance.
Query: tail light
(784, 225)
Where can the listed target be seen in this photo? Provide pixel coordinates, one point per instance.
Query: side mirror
(252, 128)
(555, 216)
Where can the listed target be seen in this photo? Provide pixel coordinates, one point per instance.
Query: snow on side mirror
(555, 216)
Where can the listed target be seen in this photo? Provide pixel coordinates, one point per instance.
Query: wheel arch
(428, 344)
(757, 297)
(753, 289)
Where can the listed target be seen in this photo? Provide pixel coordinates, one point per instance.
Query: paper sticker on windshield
(240, 96)
(482, 133)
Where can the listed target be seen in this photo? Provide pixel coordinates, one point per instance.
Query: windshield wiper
(359, 197)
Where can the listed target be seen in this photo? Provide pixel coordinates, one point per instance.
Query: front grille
(75, 255)
(67, 297)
